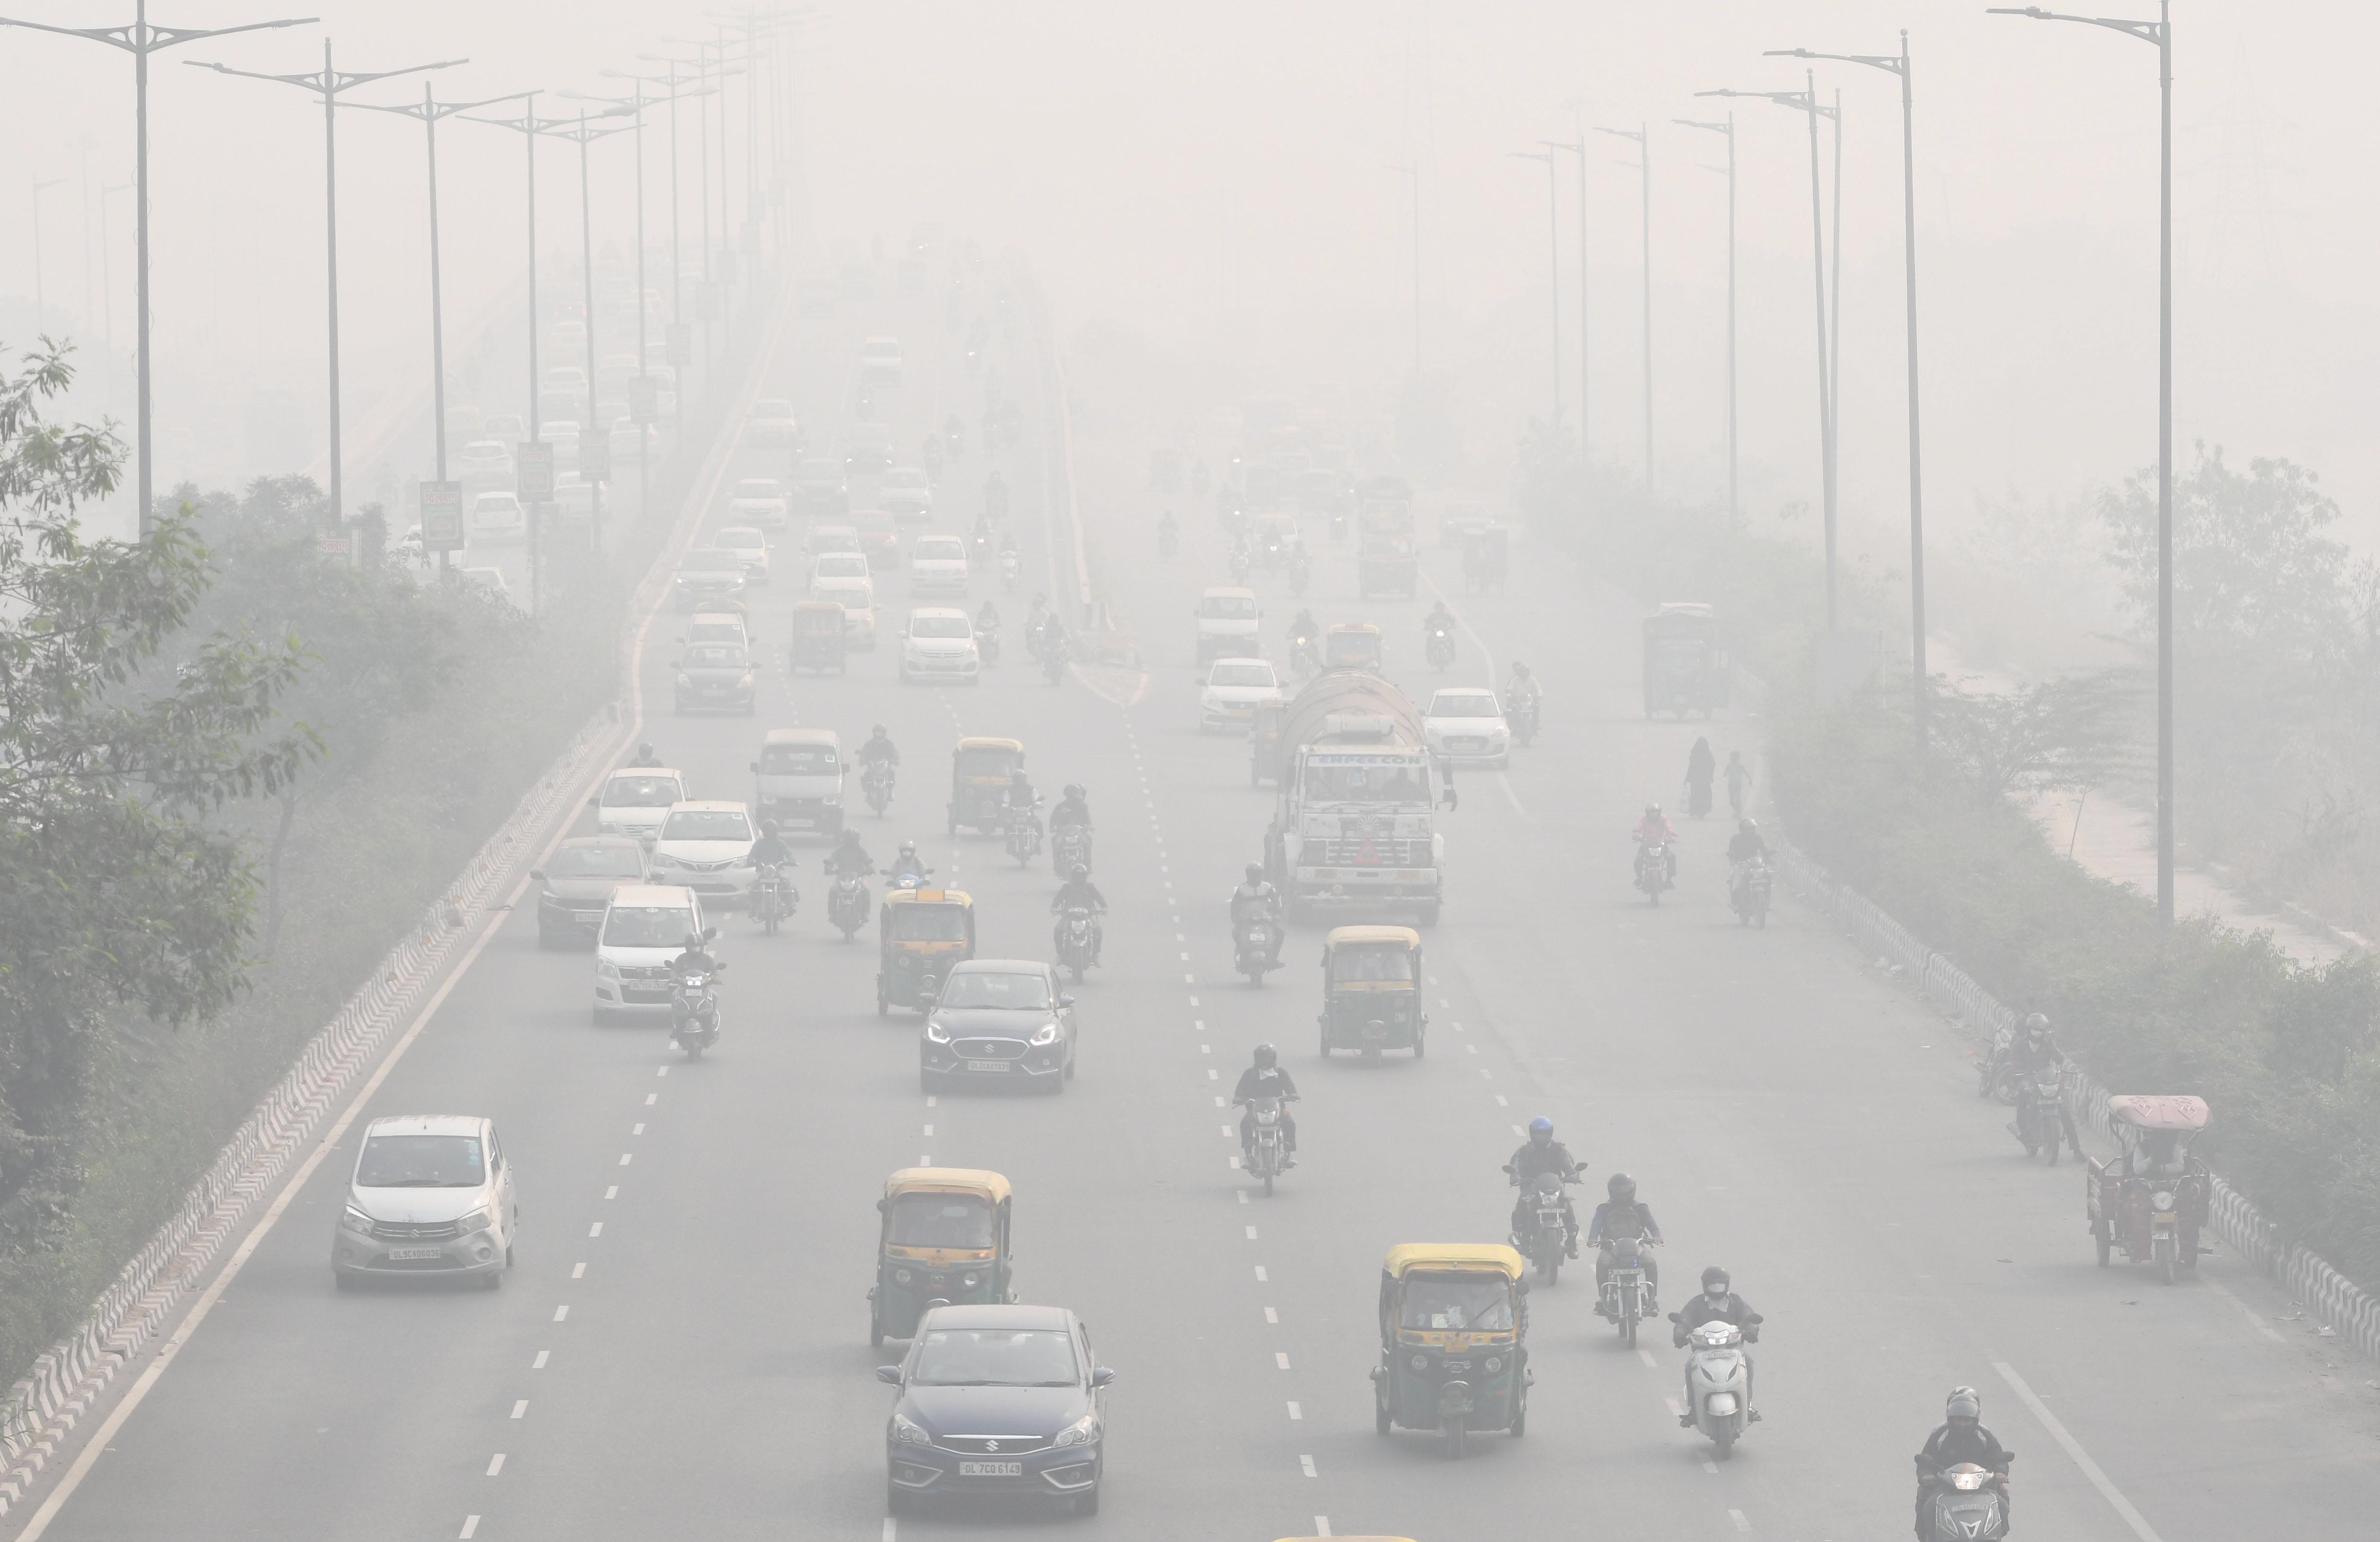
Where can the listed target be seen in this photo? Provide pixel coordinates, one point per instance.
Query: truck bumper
(1363, 888)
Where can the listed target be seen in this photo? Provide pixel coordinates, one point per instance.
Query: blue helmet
(1541, 1125)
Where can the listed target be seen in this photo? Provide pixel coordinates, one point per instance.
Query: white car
(717, 626)
(1234, 688)
(484, 461)
(1228, 620)
(636, 799)
(1465, 723)
(905, 493)
(749, 544)
(838, 564)
(939, 645)
(504, 428)
(431, 1195)
(574, 497)
(770, 422)
(644, 927)
(938, 564)
(563, 434)
(758, 500)
(627, 439)
(824, 540)
(879, 360)
(706, 845)
(497, 519)
(857, 595)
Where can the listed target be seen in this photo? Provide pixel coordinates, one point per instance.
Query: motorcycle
(1239, 569)
(876, 781)
(909, 878)
(1267, 1155)
(1441, 648)
(1719, 1378)
(1653, 870)
(694, 1010)
(772, 899)
(1024, 839)
(2041, 1114)
(1252, 942)
(846, 905)
(1055, 654)
(1627, 1289)
(1749, 893)
(1070, 844)
(1521, 717)
(1338, 527)
(1967, 1503)
(1304, 657)
(1301, 573)
(1077, 943)
(1547, 1243)
(1997, 1077)
(987, 646)
(1010, 570)
(1169, 542)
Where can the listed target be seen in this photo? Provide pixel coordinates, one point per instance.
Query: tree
(2074, 732)
(116, 889)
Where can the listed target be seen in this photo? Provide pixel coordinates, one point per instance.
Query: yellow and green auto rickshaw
(1371, 990)
(1455, 1328)
(980, 771)
(819, 642)
(944, 1241)
(919, 934)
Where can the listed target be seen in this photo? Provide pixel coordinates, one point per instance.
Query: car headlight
(664, 859)
(833, 800)
(936, 1032)
(1049, 1034)
(478, 1221)
(685, 681)
(356, 1221)
(1084, 1431)
(908, 1434)
(746, 682)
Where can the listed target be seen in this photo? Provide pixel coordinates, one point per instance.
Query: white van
(644, 927)
(799, 779)
(636, 799)
(497, 516)
(1229, 621)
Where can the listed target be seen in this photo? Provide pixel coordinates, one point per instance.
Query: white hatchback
(749, 543)
(636, 799)
(431, 1196)
(497, 519)
(939, 645)
(706, 845)
(1465, 723)
(1234, 688)
(858, 597)
(758, 500)
(938, 564)
(645, 927)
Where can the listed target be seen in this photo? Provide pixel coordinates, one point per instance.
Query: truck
(1685, 669)
(1386, 560)
(1354, 825)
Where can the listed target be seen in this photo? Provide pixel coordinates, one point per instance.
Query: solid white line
(2074, 1447)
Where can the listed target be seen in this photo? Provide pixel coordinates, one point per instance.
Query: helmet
(1079, 872)
(1715, 1280)
(1622, 1189)
(645, 751)
(1652, 810)
(908, 848)
(767, 827)
(1267, 1057)
(879, 732)
(1965, 1403)
(1256, 872)
(849, 837)
(1747, 827)
(2035, 1024)
(1075, 789)
(1541, 1130)
(1520, 671)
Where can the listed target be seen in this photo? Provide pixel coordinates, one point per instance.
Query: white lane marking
(1677, 1409)
(1260, 1274)
(1188, 979)
(1296, 1413)
(1179, 938)
(1185, 958)
(1227, 1132)
(1499, 1102)
(1322, 1526)
(1206, 1048)
(1194, 1001)
(929, 1132)
(520, 1409)
(1199, 1024)
(1281, 1360)
(1241, 1193)
(1510, 796)
(636, 1129)
(611, 1193)
(925, 1158)
(1233, 1163)
(1646, 1355)
(538, 1363)
(1736, 1515)
(1306, 1464)
(626, 1159)
(596, 1230)
(651, 1098)
(1710, 1467)
(1443, 1001)
(1518, 1131)
(562, 1313)
(1271, 1315)
(496, 1465)
(1471, 1049)
(661, 1070)
(2254, 1321)
(2074, 1447)
(471, 1528)
(1252, 1233)
(929, 1100)
(1215, 1076)
(578, 1272)
(892, 1529)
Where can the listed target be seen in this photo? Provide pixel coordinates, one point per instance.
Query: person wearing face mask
(1960, 1437)
(1716, 1304)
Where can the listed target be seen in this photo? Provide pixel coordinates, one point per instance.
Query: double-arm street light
(583, 134)
(1642, 135)
(1553, 251)
(1577, 147)
(1898, 63)
(327, 83)
(1734, 504)
(140, 40)
(2159, 35)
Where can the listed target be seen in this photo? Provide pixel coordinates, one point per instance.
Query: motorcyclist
(1169, 534)
(1266, 1078)
(1542, 1153)
(1522, 692)
(1079, 889)
(644, 757)
(1716, 1304)
(1304, 626)
(1074, 808)
(1036, 621)
(1439, 619)
(771, 850)
(1746, 846)
(1960, 1437)
(878, 748)
(1254, 897)
(694, 960)
(2034, 1048)
(1655, 826)
(850, 856)
(908, 864)
(1023, 804)
(987, 619)
(1622, 1216)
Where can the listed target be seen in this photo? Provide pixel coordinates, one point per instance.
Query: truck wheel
(2099, 1239)
(1429, 916)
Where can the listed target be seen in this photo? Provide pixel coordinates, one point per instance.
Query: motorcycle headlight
(833, 800)
(478, 1221)
(356, 1221)
(2161, 1201)
(1049, 1035)
(746, 681)
(1084, 1431)
(936, 1032)
(908, 1434)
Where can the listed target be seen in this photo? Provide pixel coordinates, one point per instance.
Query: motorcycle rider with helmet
(850, 856)
(1655, 826)
(1074, 808)
(1716, 1304)
(644, 757)
(878, 748)
(696, 960)
(1522, 691)
(771, 850)
(1256, 899)
(1266, 1078)
(1079, 889)
(1542, 1153)
(1960, 1437)
(907, 865)
(1439, 619)
(1622, 1216)
(1746, 844)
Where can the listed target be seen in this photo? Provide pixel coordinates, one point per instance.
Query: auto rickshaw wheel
(1382, 1422)
(1326, 1043)
(2100, 1240)
(1521, 1416)
(1419, 1034)
(875, 1329)
(1429, 916)
(1457, 1435)
(883, 1007)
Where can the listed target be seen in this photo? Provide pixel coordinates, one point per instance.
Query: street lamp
(2159, 33)
(1553, 252)
(1807, 102)
(1734, 503)
(40, 187)
(140, 40)
(1898, 65)
(583, 134)
(327, 83)
(1642, 135)
(1578, 146)
(677, 287)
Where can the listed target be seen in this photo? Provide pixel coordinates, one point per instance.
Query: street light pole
(40, 187)
(327, 83)
(1578, 146)
(1642, 135)
(1898, 65)
(107, 273)
(2159, 34)
(644, 360)
(1413, 176)
(1734, 502)
(140, 40)
(1553, 251)
(583, 134)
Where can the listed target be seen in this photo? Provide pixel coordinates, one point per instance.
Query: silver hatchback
(432, 1194)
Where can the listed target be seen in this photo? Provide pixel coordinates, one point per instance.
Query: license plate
(986, 1066)
(992, 1469)
(404, 1253)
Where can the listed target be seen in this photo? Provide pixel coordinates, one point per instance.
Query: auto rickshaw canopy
(948, 1179)
(1435, 1256)
(817, 615)
(1368, 942)
(952, 909)
(972, 756)
(2161, 1111)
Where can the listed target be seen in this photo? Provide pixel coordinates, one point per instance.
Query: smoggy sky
(1216, 176)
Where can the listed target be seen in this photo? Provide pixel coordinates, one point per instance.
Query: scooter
(1025, 838)
(1521, 717)
(1627, 1295)
(1266, 1156)
(987, 646)
(1077, 948)
(1548, 1241)
(1719, 1379)
(1749, 893)
(2041, 1116)
(694, 1012)
(1054, 655)
(1010, 570)
(1304, 657)
(1441, 648)
(1653, 870)
(1071, 844)
(1967, 1503)
(772, 899)
(1252, 942)
(876, 781)
(846, 905)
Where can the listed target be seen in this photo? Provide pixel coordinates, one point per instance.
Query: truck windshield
(1367, 783)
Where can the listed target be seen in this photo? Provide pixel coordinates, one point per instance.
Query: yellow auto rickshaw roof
(971, 1180)
(1452, 1255)
(1017, 745)
(931, 896)
(1403, 935)
(815, 605)
(1356, 627)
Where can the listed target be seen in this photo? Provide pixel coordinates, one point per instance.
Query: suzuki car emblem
(991, 1445)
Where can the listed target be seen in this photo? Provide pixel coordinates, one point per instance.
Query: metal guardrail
(2341, 1307)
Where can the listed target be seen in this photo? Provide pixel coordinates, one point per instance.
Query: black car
(576, 884)
(999, 1020)
(708, 576)
(996, 1401)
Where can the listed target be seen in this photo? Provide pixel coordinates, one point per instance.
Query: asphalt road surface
(682, 1351)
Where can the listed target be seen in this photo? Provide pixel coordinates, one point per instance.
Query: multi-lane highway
(683, 1351)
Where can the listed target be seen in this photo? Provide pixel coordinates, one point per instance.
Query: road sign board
(442, 516)
(536, 463)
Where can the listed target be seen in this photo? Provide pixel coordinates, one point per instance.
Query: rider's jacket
(773, 851)
(2026, 1058)
(1650, 828)
(905, 867)
(1257, 1081)
(1705, 1307)
(1950, 1444)
(1257, 898)
(1552, 1157)
(1631, 1219)
(1070, 811)
(1084, 893)
(851, 858)
(1742, 847)
(880, 747)
(692, 961)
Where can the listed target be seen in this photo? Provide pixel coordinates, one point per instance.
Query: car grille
(1466, 742)
(1365, 852)
(685, 866)
(406, 1230)
(994, 1445)
(645, 972)
(991, 1049)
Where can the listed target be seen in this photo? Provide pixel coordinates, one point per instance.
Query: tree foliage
(2073, 732)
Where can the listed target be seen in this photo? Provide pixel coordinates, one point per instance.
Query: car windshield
(991, 989)
(915, 922)
(496, 502)
(1371, 960)
(940, 548)
(843, 564)
(643, 791)
(757, 487)
(710, 559)
(875, 524)
(773, 410)
(833, 541)
(798, 760)
(996, 1357)
(706, 824)
(716, 655)
(940, 626)
(1228, 607)
(1242, 675)
(939, 1220)
(740, 540)
(1457, 1303)
(816, 471)
(648, 926)
(595, 862)
(714, 631)
(1365, 783)
(904, 477)
(422, 1162)
(986, 760)
(1465, 704)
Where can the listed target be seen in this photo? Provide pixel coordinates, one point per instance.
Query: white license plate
(986, 1066)
(992, 1469)
(401, 1253)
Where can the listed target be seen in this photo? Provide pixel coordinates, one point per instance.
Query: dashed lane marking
(562, 1313)
(471, 1528)
(520, 1409)
(496, 1465)
(1280, 1359)
(1306, 1464)
(543, 1356)
(1740, 1523)
(578, 1272)
(596, 1230)
(1296, 1413)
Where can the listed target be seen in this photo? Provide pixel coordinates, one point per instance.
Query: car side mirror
(1101, 1376)
(879, 1207)
(1065, 1000)
(889, 1375)
(709, 933)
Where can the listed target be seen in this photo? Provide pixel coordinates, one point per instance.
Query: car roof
(601, 842)
(709, 806)
(1214, 593)
(736, 530)
(663, 896)
(999, 1316)
(649, 770)
(427, 1124)
(944, 611)
(700, 616)
(1488, 691)
(800, 736)
(1000, 967)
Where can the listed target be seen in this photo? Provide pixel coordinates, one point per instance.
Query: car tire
(343, 1281)
(492, 1280)
(926, 1083)
(1088, 1504)
(897, 1499)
